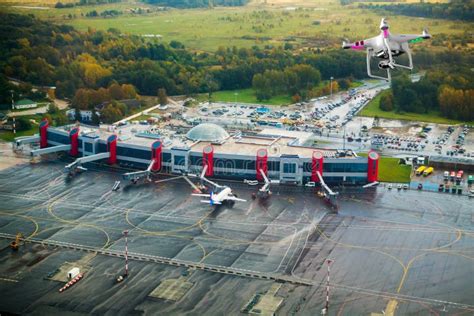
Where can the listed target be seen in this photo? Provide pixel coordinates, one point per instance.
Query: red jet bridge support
(261, 164)
(317, 165)
(208, 160)
(73, 146)
(74, 140)
(43, 131)
(156, 149)
(112, 149)
(372, 167)
(110, 155)
(154, 166)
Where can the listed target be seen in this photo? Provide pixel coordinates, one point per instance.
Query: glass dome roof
(207, 132)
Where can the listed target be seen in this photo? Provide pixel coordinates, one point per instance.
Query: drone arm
(389, 51)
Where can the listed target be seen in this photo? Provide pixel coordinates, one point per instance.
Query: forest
(46, 54)
(450, 92)
(454, 10)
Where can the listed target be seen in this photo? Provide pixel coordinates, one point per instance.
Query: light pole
(326, 308)
(125, 233)
(14, 120)
(13, 104)
(332, 78)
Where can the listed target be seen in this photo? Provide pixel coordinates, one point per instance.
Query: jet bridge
(50, 150)
(41, 138)
(77, 164)
(19, 141)
(110, 155)
(154, 166)
(137, 175)
(73, 147)
(264, 191)
(330, 195)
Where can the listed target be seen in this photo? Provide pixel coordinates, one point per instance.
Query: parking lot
(424, 139)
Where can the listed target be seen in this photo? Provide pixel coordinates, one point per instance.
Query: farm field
(304, 25)
(372, 109)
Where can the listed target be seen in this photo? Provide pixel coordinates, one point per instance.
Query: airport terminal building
(226, 155)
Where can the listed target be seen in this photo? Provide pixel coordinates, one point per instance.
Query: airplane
(386, 46)
(225, 194)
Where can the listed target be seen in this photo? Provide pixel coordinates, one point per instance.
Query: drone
(387, 46)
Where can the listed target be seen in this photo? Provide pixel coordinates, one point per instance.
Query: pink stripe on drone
(385, 33)
(357, 47)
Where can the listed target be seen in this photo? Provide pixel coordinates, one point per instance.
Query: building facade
(234, 158)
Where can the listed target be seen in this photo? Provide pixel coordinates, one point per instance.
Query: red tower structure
(317, 165)
(208, 160)
(112, 149)
(74, 140)
(156, 149)
(43, 131)
(372, 166)
(261, 163)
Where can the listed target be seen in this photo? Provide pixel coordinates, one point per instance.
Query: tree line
(197, 3)
(454, 10)
(450, 92)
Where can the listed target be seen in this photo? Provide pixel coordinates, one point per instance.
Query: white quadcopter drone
(386, 46)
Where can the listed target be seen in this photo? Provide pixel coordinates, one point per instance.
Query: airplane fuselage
(222, 195)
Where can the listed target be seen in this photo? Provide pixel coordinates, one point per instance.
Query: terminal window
(179, 161)
(289, 168)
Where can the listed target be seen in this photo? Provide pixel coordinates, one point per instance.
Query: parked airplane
(224, 195)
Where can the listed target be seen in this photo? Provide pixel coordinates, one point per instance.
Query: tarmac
(403, 252)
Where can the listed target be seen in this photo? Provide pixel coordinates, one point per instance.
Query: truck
(452, 175)
(428, 171)
(459, 176)
(446, 175)
(420, 170)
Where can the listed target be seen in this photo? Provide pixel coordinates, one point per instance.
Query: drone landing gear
(370, 53)
(407, 50)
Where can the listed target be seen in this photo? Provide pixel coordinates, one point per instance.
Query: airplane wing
(233, 198)
(209, 202)
(201, 195)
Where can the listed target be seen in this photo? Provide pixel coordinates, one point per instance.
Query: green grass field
(372, 109)
(207, 29)
(8, 136)
(391, 171)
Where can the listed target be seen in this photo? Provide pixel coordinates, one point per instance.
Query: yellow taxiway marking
(391, 306)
